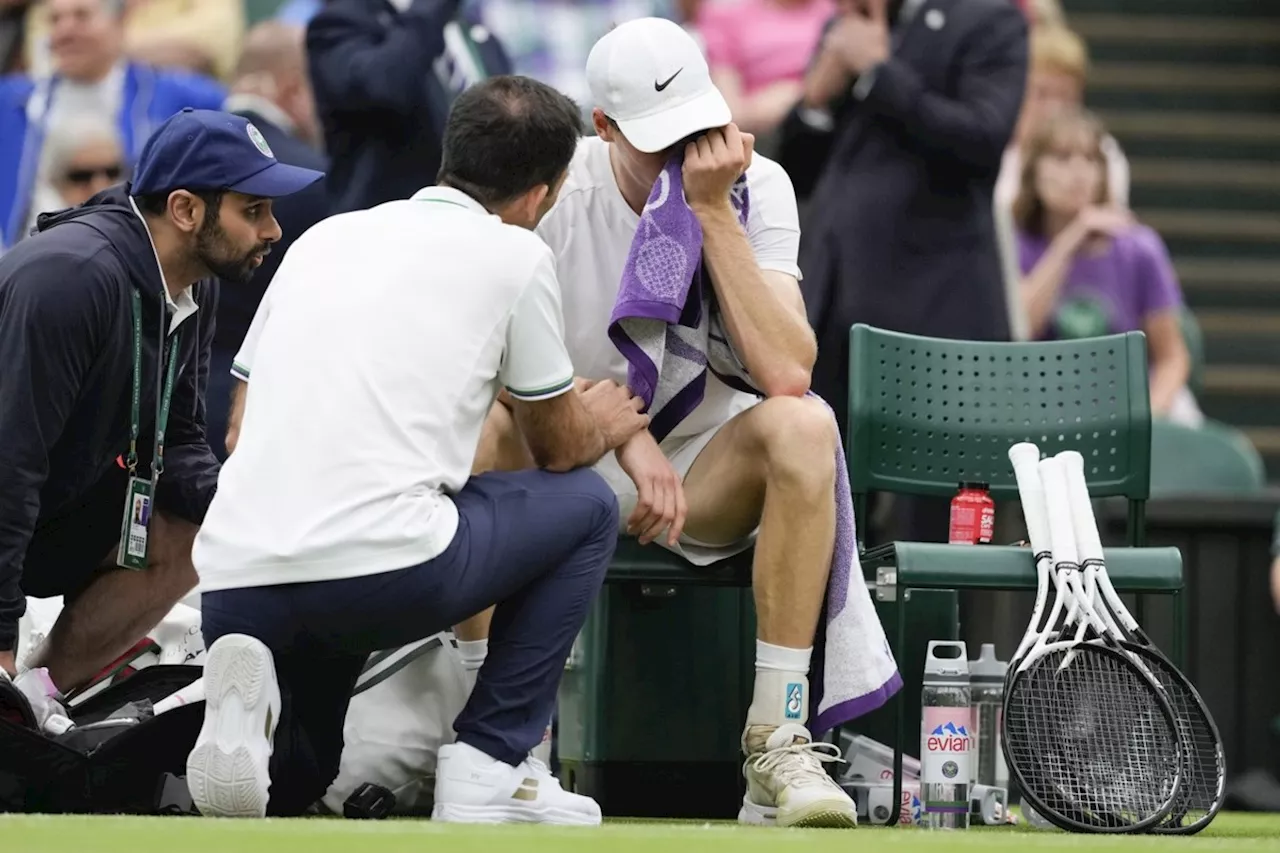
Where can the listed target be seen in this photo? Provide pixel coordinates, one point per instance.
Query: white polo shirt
(590, 229)
(375, 357)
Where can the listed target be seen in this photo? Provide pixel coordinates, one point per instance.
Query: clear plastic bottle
(986, 683)
(945, 742)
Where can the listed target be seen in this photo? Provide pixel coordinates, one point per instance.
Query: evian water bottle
(945, 771)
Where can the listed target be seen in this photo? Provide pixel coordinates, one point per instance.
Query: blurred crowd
(971, 195)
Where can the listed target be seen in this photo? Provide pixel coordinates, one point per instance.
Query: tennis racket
(1203, 788)
(1025, 458)
(1088, 736)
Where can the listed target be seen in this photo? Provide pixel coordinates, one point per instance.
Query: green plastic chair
(1212, 457)
(1193, 336)
(926, 414)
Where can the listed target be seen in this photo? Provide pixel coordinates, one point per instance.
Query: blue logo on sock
(795, 701)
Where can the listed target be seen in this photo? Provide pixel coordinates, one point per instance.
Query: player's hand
(8, 665)
(660, 501)
(712, 163)
(615, 410)
(1103, 221)
(861, 41)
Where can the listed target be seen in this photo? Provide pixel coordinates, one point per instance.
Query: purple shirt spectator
(1110, 292)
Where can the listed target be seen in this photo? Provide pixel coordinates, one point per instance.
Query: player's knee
(797, 438)
(604, 503)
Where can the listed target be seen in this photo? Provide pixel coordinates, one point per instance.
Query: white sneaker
(472, 787)
(227, 772)
(786, 783)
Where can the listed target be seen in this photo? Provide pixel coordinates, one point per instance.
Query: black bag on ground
(103, 765)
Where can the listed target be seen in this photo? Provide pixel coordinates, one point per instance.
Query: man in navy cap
(106, 321)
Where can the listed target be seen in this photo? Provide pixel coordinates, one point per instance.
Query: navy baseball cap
(213, 150)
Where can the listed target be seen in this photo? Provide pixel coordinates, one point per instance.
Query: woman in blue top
(1088, 267)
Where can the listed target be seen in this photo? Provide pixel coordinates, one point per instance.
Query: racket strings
(1202, 759)
(1091, 740)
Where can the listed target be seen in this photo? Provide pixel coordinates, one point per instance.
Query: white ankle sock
(473, 653)
(782, 686)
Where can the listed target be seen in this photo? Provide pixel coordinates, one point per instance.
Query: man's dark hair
(507, 135)
(156, 203)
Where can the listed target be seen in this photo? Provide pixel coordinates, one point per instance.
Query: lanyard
(164, 396)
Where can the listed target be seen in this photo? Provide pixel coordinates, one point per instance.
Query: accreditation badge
(132, 551)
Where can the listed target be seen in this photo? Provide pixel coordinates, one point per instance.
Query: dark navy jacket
(384, 81)
(900, 231)
(66, 346)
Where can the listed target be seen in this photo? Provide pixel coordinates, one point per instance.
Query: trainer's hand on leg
(660, 503)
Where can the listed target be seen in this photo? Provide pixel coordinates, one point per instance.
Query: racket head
(1093, 747)
(1204, 765)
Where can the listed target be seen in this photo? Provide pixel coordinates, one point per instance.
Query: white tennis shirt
(375, 356)
(590, 229)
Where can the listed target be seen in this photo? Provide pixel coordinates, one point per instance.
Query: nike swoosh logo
(658, 87)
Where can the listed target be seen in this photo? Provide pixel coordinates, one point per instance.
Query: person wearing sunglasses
(82, 157)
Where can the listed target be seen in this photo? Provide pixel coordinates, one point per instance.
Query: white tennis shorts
(681, 452)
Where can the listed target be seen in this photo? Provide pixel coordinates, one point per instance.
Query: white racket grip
(1087, 536)
(1088, 542)
(1062, 536)
(1025, 457)
(193, 692)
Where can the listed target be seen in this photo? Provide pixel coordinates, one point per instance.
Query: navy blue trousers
(534, 543)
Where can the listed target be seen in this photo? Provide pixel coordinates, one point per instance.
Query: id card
(132, 551)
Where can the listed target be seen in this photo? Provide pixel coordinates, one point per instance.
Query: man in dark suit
(272, 90)
(916, 100)
(386, 73)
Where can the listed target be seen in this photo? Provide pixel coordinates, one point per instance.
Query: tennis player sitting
(721, 467)
(346, 521)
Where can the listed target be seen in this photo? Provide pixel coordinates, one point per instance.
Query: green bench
(641, 715)
(926, 414)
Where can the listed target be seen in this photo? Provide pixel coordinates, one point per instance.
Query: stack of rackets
(1101, 731)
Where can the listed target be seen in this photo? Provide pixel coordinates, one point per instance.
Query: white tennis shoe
(787, 784)
(228, 770)
(472, 787)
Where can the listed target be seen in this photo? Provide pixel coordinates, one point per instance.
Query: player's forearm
(772, 338)
(236, 415)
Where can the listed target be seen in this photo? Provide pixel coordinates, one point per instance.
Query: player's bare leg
(774, 466)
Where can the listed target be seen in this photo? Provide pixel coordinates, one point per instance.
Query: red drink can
(973, 515)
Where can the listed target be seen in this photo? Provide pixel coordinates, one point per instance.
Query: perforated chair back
(926, 414)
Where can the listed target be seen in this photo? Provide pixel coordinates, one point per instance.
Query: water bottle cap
(986, 668)
(952, 666)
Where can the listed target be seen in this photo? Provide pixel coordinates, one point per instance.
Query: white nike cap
(651, 78)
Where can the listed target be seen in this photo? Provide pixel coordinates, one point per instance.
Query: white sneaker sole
(820, 814)
(228, 770)
(454, 813)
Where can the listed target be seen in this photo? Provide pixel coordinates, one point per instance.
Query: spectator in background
(82, 157)
(917, 101)
(12, 25)
(201, 36)
(385, 73)
(1044, 13)
(272, 90)
(1088, 268)
(758, 51)
(549, 40)
(1059, 67)
(91, 76)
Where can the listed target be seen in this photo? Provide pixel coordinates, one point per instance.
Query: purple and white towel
(668, 326)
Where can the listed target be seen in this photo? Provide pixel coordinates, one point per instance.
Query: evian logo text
(949, 737)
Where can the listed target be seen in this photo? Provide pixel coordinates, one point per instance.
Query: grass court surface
(54, 834)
